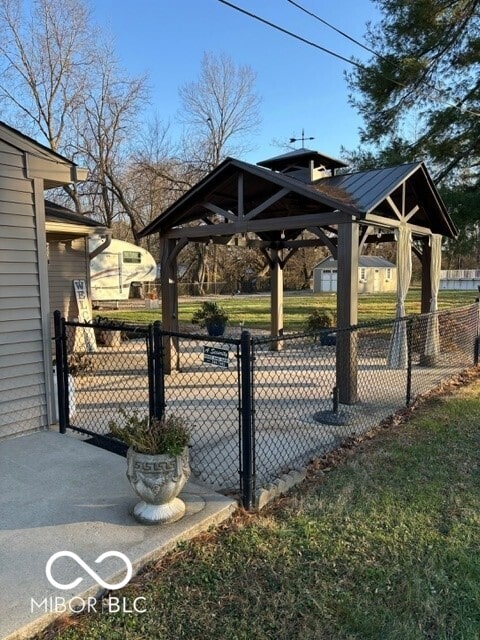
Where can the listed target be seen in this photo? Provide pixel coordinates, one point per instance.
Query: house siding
(23, 404)
(67, 261)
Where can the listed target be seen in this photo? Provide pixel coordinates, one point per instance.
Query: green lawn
(254, 311)
(384, 544)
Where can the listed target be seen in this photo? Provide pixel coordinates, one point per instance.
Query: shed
(375, 275)
(27, 169)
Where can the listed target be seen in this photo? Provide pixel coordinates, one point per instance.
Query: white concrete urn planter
(158, 479)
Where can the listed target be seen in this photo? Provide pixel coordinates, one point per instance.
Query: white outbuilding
(375, 275)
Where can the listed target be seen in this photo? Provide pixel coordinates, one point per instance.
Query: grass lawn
(382, 544)
(254, 311)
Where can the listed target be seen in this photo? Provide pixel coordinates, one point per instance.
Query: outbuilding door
(329, 280)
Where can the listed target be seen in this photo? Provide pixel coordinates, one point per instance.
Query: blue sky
(299, 85)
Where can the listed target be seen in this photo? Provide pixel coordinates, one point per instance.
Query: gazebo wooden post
(347, 302)
(169, 302)
(426, 262)
(276, 301)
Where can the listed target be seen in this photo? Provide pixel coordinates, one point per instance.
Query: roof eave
(277, 178)
(441, 206)
(72, 229)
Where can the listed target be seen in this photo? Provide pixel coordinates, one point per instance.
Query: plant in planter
(318, 321)
(157, 464)
(212, 316)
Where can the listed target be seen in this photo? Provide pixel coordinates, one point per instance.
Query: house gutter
(103, 246)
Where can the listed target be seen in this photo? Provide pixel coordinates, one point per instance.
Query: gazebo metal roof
(238, 197)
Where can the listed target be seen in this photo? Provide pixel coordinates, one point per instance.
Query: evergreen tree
(423, 86)
(419, 97)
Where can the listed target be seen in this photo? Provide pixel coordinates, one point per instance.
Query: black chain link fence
(204, 389)
(257, 407)
(298, 415)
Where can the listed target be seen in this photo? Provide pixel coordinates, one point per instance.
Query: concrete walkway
(58, 493)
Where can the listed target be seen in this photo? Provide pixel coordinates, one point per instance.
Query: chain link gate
(255, 413)
(103, 367)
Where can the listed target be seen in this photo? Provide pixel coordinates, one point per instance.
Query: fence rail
(257, 407)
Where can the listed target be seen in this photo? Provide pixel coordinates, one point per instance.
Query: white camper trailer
(119, 266)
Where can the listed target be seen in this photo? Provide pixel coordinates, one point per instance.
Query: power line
(339, 56)
(293, 35)
(336, 29)
(380, 57)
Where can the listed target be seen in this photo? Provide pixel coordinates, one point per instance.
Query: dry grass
(380, 542)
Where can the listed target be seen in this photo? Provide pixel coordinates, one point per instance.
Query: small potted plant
(318, 321)
(212, 316)
(157, 464)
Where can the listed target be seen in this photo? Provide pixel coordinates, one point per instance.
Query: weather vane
(303, 138)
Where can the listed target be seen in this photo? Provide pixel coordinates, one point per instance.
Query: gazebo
(270, 205)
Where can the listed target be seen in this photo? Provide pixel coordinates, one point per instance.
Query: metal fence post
(62, 393)
(151, 371)
(409, 322)
(247, 438)
(476, 346)
(158, 372)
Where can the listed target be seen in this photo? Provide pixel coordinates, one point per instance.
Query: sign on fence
(216, 356)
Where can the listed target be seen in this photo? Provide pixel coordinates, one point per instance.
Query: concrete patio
(58, 493)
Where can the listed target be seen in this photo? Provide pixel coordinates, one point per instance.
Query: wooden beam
(326, 240)
(240, 197)
(364, 233)
(169, 292)
(268, 203)
(284, 244)
(289, 255)
(412, 213)
(220, 212)
(385, 237)
(256, 226)
(176, 250)
(347, 295)
(390, 223)
(394, 207)
(267, 257)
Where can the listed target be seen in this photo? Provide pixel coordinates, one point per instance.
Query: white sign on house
(85, 315)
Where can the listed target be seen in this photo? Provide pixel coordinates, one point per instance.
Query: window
(363, 274)
(132, 257)
(388, 275)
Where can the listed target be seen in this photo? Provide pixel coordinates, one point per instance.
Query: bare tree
(60, 80)
(220, 110)
(44, 64)
(105, 126)
(221, 114)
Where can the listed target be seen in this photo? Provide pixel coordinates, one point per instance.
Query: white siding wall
(67, 261)
(22, 374)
